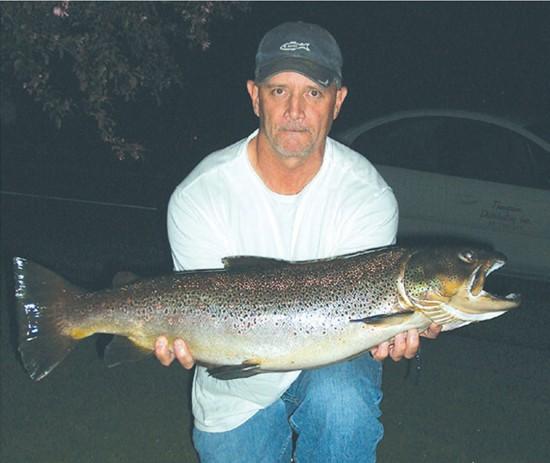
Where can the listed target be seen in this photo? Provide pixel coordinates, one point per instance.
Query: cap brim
(313, 71)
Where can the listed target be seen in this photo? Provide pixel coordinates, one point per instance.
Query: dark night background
(492, 57)
(478, 396)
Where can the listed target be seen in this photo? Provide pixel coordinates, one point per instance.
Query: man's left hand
(404, 344)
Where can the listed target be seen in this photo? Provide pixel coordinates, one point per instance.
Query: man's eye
(277, 91)
(315, 93)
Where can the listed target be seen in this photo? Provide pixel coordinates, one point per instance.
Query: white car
(467, 177)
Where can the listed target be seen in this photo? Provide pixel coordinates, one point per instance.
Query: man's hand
(404, 344)
(179, 351)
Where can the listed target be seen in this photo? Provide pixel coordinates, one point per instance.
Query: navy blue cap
(300, 47)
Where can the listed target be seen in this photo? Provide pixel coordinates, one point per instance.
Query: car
(464, 176)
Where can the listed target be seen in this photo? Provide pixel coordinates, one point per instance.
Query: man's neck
(283, 175)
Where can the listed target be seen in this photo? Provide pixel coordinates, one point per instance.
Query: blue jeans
(333, 410)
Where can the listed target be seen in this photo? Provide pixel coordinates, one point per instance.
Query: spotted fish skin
(254, 315)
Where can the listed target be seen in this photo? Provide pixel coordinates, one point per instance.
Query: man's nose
(295, 109)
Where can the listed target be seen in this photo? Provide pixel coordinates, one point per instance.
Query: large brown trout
(258, 314)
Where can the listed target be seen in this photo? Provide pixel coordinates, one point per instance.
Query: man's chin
(293, 153)
(294, 150)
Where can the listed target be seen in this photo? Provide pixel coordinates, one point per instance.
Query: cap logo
(294, 46)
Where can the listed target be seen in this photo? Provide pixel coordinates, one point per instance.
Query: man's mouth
(293, 129)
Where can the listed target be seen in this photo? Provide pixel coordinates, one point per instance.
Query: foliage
(88, 57)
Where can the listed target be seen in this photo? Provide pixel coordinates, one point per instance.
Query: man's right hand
(166, 354)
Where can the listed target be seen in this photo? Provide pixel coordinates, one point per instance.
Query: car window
(457, 147)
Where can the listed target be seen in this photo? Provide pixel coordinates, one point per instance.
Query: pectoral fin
(244, 370)
(122, 349)
(390, 319)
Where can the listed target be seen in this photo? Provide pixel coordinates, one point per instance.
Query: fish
(258, 314)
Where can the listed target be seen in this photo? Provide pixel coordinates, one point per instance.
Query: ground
(479, 394)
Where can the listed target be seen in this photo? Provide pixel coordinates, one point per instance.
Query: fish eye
(466, 256)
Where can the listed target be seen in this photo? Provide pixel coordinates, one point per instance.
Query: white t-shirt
(223, 208)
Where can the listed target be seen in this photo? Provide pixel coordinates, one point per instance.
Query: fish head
(447, 284)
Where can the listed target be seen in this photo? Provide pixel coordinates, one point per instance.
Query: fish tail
(41, 299)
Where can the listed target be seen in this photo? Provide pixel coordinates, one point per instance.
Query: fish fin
(247, 262)
(244, 370)
(388, 319)
(124, 278)
(122, 349)
(42, 298)
(251, 262)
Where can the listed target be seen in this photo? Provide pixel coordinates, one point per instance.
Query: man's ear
(253, 92)
(341, 94)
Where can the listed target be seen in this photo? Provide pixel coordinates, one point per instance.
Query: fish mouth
(473, 299)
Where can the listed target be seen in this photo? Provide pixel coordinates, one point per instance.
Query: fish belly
(287, 351)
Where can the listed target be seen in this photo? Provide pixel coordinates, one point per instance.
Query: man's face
(295, 113)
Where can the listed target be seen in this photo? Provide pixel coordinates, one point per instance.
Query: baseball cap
(300, 47)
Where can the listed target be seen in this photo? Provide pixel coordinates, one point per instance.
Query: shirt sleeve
(372, 224)
(195, 240)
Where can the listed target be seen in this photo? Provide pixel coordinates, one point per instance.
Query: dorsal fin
(251, 262)
(248, 262)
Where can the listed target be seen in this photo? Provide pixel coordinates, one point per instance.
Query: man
(290, 192)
